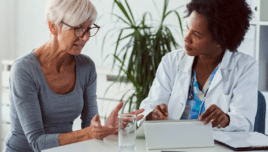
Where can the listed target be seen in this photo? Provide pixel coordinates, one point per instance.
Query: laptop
(166, 134)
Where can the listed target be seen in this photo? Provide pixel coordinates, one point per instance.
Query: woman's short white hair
(72, 12)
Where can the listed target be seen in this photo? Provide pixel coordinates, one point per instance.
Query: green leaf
(179, 18)
(139, 52)
(122, 19)
(118, 40)
(164, 10)
(165, 15)
(130, 12)
(123, 10)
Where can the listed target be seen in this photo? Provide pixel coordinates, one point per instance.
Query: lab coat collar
(226, 64)
(187, 62)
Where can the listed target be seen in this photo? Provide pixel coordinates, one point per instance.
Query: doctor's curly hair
(228, 20)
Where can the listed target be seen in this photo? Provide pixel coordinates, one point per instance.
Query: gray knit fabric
(38, 115)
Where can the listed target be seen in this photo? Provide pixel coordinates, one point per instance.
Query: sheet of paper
(241, 139)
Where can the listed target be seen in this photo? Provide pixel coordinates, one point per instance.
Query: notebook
(174, 134)
(242, 141)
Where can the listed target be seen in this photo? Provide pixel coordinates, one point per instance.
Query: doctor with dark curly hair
(209, 80)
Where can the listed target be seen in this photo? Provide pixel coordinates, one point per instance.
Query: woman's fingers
(137, 112)
(140, 117)
(95, 117)
(95, 122)
(118, 107)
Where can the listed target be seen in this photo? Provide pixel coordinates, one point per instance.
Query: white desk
(110, 144)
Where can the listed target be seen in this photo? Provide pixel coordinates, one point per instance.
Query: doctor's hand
(216, 115)
(160, 112)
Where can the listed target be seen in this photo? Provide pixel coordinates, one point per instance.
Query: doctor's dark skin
(199, 43)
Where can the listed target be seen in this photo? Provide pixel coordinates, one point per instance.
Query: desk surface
(110, 144)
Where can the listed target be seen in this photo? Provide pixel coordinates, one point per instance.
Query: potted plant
(139, 56)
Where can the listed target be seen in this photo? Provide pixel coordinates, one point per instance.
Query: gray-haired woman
(54, 84)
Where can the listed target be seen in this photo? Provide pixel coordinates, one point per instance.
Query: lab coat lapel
(225, 65)
(180, 89)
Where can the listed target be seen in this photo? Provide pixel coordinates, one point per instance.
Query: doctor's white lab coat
(234, 88)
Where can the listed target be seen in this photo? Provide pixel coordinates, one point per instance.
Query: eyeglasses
(80, 32)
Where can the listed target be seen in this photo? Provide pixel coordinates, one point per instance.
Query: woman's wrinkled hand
(216, 115)
(160, 112)
(96, 131)
(112, 120)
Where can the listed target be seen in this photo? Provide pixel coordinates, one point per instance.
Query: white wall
(6, 49)
(33, 32)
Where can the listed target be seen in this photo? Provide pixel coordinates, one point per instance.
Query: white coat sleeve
(161, 88)
(244, 98)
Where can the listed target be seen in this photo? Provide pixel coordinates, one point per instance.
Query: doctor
(209, 80)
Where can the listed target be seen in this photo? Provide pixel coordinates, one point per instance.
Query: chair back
(259, 125)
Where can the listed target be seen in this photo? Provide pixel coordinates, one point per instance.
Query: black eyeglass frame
(86, 31)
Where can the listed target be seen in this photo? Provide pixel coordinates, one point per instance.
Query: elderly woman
(209, 80)
(54, 84)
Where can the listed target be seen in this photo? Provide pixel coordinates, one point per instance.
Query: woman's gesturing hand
(216, 115)
(96, 131)
(160, 112)
(112, 120)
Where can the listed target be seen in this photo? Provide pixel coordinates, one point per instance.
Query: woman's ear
(52, 27)
(216, 45)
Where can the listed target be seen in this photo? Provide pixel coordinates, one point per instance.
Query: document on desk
(241, 140)
(175, 134)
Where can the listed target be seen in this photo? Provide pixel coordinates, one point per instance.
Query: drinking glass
(127, 132)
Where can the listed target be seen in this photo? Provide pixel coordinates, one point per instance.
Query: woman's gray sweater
(38, 115)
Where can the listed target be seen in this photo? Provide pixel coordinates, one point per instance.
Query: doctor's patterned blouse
(193, 106)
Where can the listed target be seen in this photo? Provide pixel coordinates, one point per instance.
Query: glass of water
(127, 132)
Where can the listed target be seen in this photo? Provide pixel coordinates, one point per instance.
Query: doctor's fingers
(164, 109)
(218, 120)
(225, 122)
(208, 112)
(212, 116)
(157, 114)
